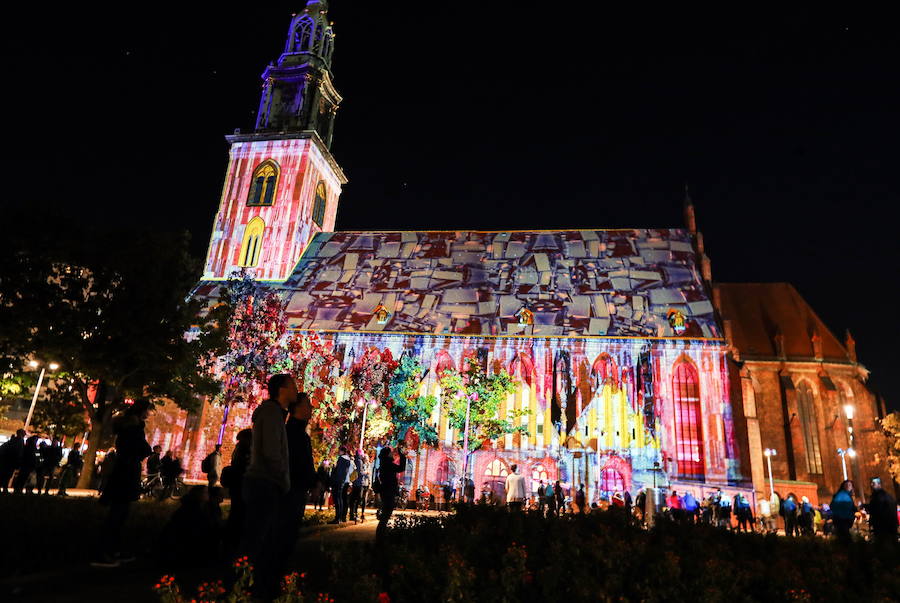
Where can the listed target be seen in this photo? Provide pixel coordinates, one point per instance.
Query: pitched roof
(575, 282)
(758, 311)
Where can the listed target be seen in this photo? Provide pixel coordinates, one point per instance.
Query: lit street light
(37, 390)
(365, 407)
(770, 452)
(843, 453)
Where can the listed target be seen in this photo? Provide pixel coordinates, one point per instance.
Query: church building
(615, 338)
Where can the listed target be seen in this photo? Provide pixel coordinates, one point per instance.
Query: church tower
(282, 184)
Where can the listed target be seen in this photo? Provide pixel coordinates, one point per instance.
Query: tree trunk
(101, 423)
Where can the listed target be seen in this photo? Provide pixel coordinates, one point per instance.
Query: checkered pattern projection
(574, 283)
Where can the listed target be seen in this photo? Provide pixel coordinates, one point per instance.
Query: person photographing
(388, 471)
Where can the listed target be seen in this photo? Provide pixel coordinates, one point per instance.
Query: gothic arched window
(496, 469)
(611, 481)
(688, 432)
(809, 423)
(604, 371)
(263, 184)
(318, 214)
(252, 243)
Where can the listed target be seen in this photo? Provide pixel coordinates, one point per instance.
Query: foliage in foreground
(486, 554)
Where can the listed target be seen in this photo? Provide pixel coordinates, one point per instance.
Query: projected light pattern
(574, 283)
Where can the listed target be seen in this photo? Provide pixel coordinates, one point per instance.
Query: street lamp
(365, 407)
(37, 390)
(770, 452)
(843, 453)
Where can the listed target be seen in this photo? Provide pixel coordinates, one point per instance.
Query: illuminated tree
(482, 394)
(60, 412)
(890, 425)
(410, 409)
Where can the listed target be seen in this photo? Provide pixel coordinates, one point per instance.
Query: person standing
(360, 488)
(340, 477)
(169, 470)
(30, 462)
(321, 489)
(267, 482)
(515, 489)
(388, 472)
(560, 498)
(303, 471)
(882, 513)
(233, 479)
(72, 469)
(154, 460)
(843, 511)
(581, 499)
(50, 458)
(11, 452)
(212, 466)
(124, 483)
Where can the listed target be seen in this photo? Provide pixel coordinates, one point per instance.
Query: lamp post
(365, 407)
(37, 390)
(843, 453)
(466, 433)
(770, 452)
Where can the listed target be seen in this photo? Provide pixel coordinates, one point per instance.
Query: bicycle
(153, 487)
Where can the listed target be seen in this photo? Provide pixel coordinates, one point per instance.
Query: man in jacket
(388, 472)
(213, 469)
(360, 488)
(340, 477)
(50, 458)
(882, 513)
(267, 482)
(515, 489)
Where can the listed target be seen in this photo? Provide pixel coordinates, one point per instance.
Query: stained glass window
(318, 214)
(688, 432)
(263, 184)
(611, 481)
(252, 243)
(808, 421)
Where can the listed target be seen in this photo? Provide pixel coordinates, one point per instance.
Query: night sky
(498, 115)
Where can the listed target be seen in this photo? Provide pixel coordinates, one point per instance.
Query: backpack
(206, 464)
(227, 475)
(376, 483)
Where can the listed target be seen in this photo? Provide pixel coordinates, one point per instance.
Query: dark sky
(499, 115)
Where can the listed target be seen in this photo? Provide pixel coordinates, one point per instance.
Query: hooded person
(882, 513)
(124, 484)
(843, 510)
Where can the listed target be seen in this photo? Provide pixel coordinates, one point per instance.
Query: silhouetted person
(191, 537)
(154, 460)
(124, 483)
(106, 468)
(340, 477)
(303, 471)
(169, 470)
(30, 461)
(388, 471)
(212, 466)
(50, 458)
(72, 469)
(11, 452)
(233, 479)
(882, 513)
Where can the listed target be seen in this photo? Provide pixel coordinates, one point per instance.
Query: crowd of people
(271, 478)
(31, 465)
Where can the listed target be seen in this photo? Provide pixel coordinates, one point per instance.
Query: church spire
(298, 94)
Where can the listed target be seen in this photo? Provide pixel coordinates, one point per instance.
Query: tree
(112, 309)
(890, 425)
(60, 411)
(251, 345)
(409, 409)
(482, 394)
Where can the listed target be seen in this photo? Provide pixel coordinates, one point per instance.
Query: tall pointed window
(263, 184)
(318, 214)
(688, 432)
(252, 243)
(806, 408)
